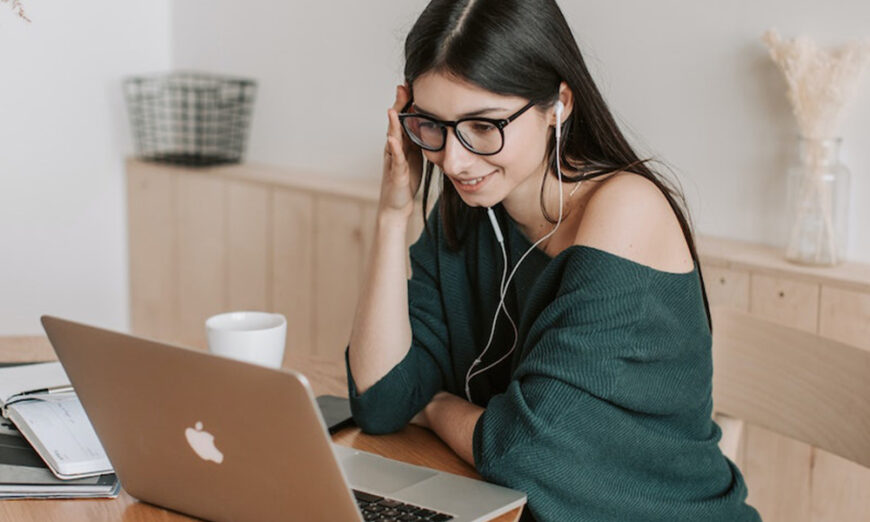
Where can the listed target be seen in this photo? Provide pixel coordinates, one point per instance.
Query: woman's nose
(456, 158)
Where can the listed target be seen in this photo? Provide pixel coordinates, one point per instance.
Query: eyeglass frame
(499, 123)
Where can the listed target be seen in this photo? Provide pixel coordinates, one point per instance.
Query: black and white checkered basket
(190, 118)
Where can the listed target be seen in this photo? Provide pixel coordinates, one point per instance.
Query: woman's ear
(566, 96)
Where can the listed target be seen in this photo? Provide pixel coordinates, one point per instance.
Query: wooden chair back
(795, 383)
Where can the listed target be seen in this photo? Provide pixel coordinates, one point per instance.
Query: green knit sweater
(602, 413)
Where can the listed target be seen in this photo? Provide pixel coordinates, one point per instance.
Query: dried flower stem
(17, 8)
(820, 85)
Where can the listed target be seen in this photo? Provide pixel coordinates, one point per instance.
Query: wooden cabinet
(292, 264)
(201, 254)
(785, 301)
(789, 480)
(248, 244)
(204, 241)
(152, 263)
(845, 316)
(338, 270)
(726, 287)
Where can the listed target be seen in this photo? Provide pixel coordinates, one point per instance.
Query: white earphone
(560, 108)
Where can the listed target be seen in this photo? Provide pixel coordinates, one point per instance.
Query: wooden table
(413, 444)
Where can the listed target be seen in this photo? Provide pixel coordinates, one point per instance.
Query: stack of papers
(23, 474)
(48, 447)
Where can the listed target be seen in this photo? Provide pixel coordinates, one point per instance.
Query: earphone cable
(471, 374)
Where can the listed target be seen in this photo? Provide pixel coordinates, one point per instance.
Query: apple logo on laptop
(202, 443)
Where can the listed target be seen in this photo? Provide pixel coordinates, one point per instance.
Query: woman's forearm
(453, 419)
(381, 333)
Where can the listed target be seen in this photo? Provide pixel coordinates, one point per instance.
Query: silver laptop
(225, 440)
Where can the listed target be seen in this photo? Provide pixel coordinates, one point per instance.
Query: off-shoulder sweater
(603, 411)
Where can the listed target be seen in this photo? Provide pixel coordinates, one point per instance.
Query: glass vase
(818, 203)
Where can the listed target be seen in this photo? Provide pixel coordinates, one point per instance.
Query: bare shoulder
(627, 215)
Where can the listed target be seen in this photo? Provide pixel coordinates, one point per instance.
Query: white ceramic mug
(254, 337)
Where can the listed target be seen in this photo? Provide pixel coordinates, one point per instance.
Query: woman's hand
(403, 163)
(453, 419)
(421, 419)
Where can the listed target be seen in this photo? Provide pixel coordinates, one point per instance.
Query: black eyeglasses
(483, 136)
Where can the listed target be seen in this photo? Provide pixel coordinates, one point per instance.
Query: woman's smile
(470, 184)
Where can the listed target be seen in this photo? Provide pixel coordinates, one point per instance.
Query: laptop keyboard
(383, 509)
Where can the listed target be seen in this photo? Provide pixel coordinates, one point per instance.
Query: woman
(562, 347)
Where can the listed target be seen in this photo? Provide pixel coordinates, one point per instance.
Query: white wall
(327, 72)
(695, 83)
(63, 136)
(691, 83)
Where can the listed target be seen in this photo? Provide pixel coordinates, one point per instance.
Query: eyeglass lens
(478, 136)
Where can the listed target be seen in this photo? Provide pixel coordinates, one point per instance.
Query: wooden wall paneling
(153, 304)
(292, 267)
(337, 271)
(202, 285)
(777, 473)
(840, 489)
(785, 301)
(727, 287)
(845, 316)
(248, 246)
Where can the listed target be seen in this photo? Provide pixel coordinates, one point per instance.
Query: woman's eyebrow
(466, 115)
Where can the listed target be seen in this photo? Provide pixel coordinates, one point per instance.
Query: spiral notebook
(23, 474)
(39, 400)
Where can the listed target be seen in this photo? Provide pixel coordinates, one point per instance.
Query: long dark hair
(525, 48)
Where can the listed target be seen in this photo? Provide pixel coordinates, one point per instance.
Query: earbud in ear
(560, 107)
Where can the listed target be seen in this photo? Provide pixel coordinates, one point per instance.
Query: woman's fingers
(401, 168)
(398, 163)
(395, 127)
(391, 131)
(407, 145)
(402, 96)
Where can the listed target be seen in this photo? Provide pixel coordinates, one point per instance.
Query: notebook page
(59, 430)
